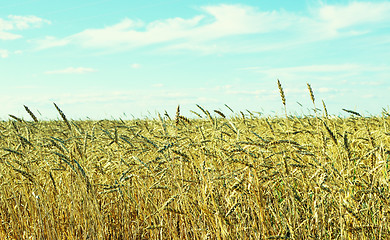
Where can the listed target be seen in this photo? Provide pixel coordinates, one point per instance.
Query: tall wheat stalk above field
(283, 101)
(312, 98)
(31, 113)
(314, 104)
(63, 116)
(326, 115)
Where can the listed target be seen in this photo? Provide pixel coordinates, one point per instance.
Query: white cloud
(5, 25)
(50, 41)
(196, 47)
(3, 53)
(18, 23)
(71, 70)
(8, 36)
(135, 65)
(222, 21)
(326, 90)
(246, 92)
(327, 79)
(369, 96)
(338, 17)
(373, 83)
(124, 35)
(158, 85)
(218, 21)
(25, 22)
(323, 69)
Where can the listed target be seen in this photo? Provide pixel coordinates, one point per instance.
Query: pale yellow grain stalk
(283, 101)
(312, 97)
(325, 109)
(314, 104)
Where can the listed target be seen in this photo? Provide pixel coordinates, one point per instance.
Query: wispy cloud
(71, 70)
(325, 68)
(25, 22)
(8, 36)
(338, 18)
(50, 42)
(328, 79)
(223, 21)
(246, 92)
(338, 74)
(135, 65)
(3, 53)
(158, 85)
(13, 22)
(216, 22)
(326, 90)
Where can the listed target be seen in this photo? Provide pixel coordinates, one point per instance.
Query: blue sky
(108, 59)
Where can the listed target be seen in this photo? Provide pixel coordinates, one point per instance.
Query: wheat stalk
(332, 136)
(229, 108)
(220, 113)
(325, 109)
(311, 93)
(31, 113)
(184, 119)
(352, 112)
(283, 101)
(63, 116)
(177, 115)
(282, 93)
(16, 118)
(312, 97)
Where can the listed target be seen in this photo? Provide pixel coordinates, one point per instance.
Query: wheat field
(219, 175)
